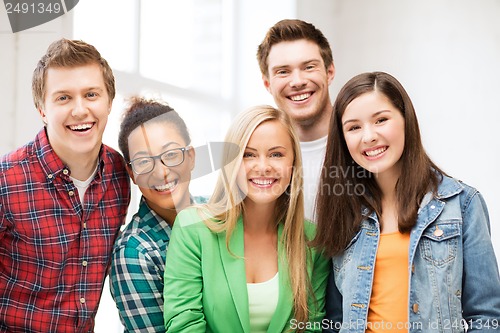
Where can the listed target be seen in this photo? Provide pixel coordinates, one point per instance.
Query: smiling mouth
(81, 127)
(263, 182)
(375, 152)
(301, 97)
(166, 187)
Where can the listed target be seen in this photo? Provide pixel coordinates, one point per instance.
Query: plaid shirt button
(41, 230)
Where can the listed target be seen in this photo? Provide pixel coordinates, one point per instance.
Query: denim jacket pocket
(439, 243)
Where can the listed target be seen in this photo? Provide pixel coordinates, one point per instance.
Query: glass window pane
(111, 27)
(181, 43)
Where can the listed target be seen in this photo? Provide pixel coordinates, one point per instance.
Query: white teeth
(300, 97)
(80, 127)
(165, 187)
(263, 181)
(376, 151)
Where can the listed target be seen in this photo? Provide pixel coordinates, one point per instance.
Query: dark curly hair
(142, 110)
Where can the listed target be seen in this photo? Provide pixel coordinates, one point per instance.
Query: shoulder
(190, 217)
(309, 229)
(450, 187)
(132, 236)
(145, 233)
(114, 171)
(190, 228)
(15, 158)
(463, 200)
(111, 156)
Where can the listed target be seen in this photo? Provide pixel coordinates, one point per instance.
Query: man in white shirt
(297, 68)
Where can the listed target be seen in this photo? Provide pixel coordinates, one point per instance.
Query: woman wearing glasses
(155, 143)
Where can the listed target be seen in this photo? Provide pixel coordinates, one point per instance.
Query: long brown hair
(339, 214)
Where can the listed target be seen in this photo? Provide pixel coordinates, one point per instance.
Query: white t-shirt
(82, 186)
(313, 155)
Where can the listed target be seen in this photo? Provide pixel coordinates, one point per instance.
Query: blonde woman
(241, 263)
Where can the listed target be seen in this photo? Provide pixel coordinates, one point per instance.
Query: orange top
(388, 311)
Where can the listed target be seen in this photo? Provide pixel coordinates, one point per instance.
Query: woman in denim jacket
(411, 246)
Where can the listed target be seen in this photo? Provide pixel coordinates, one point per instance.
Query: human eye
(62, 98)
(248, 154)
(310, 67)
(142, 161)
(277, 154)
(281, 72)
(141, 165)
(171, 154)
(352, 128)
(91, 94)
(381, 120)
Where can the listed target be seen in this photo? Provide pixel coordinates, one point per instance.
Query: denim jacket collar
(447, 188)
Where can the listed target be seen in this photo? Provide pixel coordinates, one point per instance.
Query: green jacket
(205, 285)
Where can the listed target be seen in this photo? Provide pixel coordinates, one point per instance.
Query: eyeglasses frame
(158, 157)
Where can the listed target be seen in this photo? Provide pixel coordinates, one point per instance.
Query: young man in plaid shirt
(63, 198)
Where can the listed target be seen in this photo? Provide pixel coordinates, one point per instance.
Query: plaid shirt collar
(52, 165)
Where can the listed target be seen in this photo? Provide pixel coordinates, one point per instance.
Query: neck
(169, 214)
(259, 218)
(81, 168)
(387, 184)
(316, 128)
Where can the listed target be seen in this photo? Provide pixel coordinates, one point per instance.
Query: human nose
(160, 170)
(79, 108)
(369, 134)
(262, 165)
(297, 79)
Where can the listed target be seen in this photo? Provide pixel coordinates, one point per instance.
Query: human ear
(191, 154)
(266, 82)
(130, 172)
(330, 72)
(42, 114)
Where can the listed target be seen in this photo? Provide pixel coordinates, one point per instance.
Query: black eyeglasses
(169, 158)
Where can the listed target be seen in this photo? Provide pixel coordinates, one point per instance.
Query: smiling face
(266, 169)
(75, 110)
(374, 132)
(165, 188)
(299, 82)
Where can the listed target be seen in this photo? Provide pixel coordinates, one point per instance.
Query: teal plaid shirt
(138, 264)
(136, 277)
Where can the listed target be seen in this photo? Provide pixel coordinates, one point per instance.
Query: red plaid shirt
(54, 252)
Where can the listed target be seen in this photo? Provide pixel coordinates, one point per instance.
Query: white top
(262, 303)
(313, 156)
(82, 186)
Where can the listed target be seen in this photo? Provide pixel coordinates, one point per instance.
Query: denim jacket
(453, 274)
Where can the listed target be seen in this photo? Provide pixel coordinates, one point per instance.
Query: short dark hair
(142, 110)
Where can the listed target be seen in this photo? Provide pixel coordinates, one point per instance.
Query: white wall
(447, 55)
(19, 54)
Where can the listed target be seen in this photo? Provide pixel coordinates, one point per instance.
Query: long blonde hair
(226, 204)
